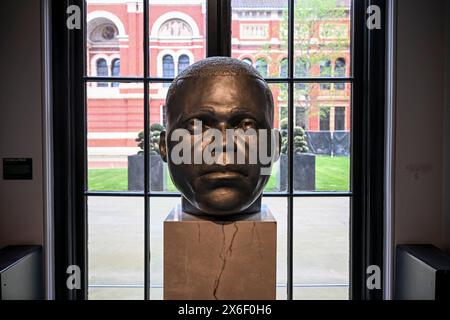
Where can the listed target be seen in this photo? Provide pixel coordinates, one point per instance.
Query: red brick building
(178, 38)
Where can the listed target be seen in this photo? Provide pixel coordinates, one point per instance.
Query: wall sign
(17, 169)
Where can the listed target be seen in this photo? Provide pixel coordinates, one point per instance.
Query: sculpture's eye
(248, 124)
(195, 126)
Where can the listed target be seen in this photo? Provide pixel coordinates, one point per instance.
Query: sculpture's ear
(163, 146)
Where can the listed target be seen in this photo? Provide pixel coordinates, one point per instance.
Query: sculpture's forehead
(220, 92)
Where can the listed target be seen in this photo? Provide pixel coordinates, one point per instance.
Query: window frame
(104, 68)
(168, 66)
(184, 65)
(342, 112)
(324, 122)
(367, 165)
(342, 70)
(115, 67)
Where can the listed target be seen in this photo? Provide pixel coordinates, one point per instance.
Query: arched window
(301, 71)
(339, 72)
(183, 63)
(102, 30)
(102, 71)
(115, 70)
(325, 72)
(261, 66)
(168, 68)
(247, 61)
(284, 68)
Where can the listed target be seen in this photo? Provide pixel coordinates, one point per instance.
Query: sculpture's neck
(189, 208)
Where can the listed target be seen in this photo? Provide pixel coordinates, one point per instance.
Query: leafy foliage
(316, 22)
(155, 132)
(300, 143)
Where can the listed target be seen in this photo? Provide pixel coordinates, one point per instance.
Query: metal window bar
(146, 154)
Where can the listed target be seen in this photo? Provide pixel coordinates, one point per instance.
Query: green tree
(300, 143)
(317, 38)
(155, 132)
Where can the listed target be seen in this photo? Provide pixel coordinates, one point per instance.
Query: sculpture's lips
(224, 172)
(228, 175)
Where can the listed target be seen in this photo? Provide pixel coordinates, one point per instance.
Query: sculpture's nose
(228, 144)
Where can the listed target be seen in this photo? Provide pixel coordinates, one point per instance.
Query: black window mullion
(290, 217)
(156, 80)
(113, 79)
(147, 172)
(218, 28)
(175, 194)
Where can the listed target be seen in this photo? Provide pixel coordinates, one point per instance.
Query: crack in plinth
(223, 256)
(255, 234)
(232, 239)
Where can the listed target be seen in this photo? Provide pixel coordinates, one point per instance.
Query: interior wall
(21, 202)
(419, 167)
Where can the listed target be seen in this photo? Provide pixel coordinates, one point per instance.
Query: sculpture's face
(218, 102)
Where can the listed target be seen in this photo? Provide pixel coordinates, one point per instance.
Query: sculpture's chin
(223, 201)
(217, 198)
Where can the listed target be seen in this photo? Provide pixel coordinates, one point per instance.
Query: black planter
(304, 172)
(136, 173)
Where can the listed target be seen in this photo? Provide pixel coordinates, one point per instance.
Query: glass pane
(160, 180)
(120, 293)
(159, 210)
(278, 207)
(322, 38)
(177, 36)
(259, 35)
(115, 118)
(321, 248)
(114, 38)
(116, 248)
(279, 170)
(322, 145)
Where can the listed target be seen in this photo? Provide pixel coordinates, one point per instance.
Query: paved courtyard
(116, 247)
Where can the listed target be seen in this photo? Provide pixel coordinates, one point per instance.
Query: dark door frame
(367, 211)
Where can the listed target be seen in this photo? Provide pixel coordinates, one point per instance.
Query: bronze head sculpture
(218, 95)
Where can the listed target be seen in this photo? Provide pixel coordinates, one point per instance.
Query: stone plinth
(208, 259)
